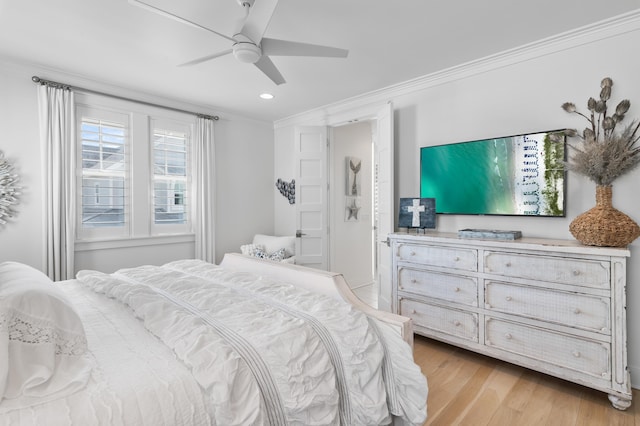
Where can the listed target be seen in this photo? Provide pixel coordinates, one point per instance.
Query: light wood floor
(466, 388)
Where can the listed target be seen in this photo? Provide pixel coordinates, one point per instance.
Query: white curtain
(204, 162)
(57, 137)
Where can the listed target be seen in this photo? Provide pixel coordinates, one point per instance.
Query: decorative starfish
(353, 210)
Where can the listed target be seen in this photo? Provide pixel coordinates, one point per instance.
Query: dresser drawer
(587, 273)
(571, 309)
(437, 285)
(443, 320)
(544, 346)
(445, 257)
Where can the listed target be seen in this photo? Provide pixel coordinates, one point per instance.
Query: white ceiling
(389, 42)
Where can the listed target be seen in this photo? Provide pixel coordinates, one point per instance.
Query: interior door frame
(365, 113)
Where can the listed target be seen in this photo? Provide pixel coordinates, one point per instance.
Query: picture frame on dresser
(553, 306)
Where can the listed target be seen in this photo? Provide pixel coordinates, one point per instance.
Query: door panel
(311, 196)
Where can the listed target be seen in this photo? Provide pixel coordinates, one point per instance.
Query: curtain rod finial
(35, 79)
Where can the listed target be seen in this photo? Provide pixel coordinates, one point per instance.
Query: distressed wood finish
(553, 306)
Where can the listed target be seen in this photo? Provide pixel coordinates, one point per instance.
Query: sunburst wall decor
(8, 190)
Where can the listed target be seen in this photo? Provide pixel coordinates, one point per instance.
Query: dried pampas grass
(604, 155)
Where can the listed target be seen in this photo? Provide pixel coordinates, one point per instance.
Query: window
(134, 174)
(169, 177)
(103, 171)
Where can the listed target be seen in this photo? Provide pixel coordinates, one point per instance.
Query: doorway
(322, 197)
(352, 201)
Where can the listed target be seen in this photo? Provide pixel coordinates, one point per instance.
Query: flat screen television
(514, 175)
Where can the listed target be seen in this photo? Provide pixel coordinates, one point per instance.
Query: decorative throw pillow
(43, 347)
(272, 243)
(250, 249)
(278, 255)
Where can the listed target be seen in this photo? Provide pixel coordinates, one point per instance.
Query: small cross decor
(417, 213)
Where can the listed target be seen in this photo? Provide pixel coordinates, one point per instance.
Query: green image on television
(515, 175)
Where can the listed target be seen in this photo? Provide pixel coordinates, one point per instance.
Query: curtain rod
(39, 80)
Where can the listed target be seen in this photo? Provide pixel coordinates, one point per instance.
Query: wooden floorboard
(466, 388)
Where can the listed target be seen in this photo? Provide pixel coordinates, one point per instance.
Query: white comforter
(267, 353)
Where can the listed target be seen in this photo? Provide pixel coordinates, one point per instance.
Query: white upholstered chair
(271, 247)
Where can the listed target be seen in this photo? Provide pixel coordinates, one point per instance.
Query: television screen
(514, 175)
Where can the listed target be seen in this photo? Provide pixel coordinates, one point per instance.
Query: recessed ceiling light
(266, 96)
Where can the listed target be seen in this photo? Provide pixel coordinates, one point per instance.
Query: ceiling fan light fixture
(247, 52)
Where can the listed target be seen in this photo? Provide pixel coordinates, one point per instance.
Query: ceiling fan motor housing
(247, 52)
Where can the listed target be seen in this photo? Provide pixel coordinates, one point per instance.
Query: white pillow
(43, 347)
(272, 244)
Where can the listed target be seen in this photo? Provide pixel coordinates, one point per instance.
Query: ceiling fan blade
(258, 19)
(176, 18)
(274, 47)
(206, 58)
(266, 66)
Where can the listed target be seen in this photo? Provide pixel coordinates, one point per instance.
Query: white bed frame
(329, 283)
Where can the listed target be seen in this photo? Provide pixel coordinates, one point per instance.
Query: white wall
(284, 168)
(351, 242)
(244, 170)
(513, 93)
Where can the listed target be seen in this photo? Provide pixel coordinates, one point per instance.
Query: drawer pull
(414, 281)
(508, 336)
(456, 323)
(576, 354)
(576, 273)
(508, 298)
(508, 264)
(457, 289)
(413, 311)
(456, 259)
(413, 253)
(576, 311)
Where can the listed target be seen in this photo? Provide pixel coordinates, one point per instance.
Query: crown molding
(618, 25)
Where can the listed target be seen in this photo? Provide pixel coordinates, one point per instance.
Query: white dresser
(550, 305)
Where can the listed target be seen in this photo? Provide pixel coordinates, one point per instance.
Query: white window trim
(83, 233)
(188, 130)
(140, 226)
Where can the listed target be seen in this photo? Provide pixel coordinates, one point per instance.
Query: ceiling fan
(249, 45)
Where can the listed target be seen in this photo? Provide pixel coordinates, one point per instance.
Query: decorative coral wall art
(287, 189)
(8, 190)
(354, 166)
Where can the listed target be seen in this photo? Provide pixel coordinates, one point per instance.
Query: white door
(311, 196)
(383, 157)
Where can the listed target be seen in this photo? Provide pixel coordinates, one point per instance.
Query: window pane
(170, 202)
(103, 201)
(170, 157)
(104, 164)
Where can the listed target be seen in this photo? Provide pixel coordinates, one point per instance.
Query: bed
(246, 342)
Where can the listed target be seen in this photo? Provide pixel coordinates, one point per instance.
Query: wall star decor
(8, 190)
(352, 209)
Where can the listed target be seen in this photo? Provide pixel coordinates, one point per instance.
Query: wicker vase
(603, 225)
